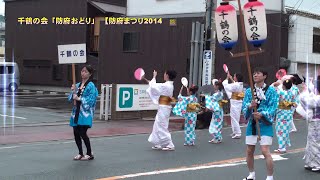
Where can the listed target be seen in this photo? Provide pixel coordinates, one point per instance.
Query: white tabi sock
(269, 178)
(252, 175)
(282, 149)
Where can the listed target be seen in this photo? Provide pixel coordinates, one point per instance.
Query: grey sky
(1, 7)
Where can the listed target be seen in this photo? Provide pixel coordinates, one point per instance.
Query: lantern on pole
(226, 25)
(255, 22)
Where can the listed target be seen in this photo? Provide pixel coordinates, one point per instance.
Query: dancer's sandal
(167, 149)
(78, 157)
(279, 151)
(214, 141)
(87, 158)
(156, 147)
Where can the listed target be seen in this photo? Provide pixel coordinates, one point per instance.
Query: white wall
(300, 44)
(301, 40)
(163, 7)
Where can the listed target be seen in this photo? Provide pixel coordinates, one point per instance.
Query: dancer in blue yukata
(287, 102)
(266, 102)
(295, 90)
(214, 103)
(187, 107)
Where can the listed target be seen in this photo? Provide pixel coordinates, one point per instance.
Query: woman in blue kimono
(187, 107)
(84, 97)
(287, 102)
(214, 103)
(295, 90)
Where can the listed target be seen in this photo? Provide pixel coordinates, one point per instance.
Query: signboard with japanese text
(226, 25)
(133, 97)
(207, 66)
(72, 53)
(255, 22)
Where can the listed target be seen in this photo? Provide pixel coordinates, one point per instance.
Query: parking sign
(133, 97)
(125, 97)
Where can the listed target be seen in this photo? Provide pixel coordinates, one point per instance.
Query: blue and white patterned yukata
(284, 118)
(180, 109)
(295, 91)
(87, 107)
(216, 124)
(267, 108)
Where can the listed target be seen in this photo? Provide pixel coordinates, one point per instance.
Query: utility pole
(210, 31)
(209, 9)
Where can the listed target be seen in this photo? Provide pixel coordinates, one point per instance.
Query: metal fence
(105, 101)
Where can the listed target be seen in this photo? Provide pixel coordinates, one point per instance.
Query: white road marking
(4, 115)
(38, 108)
(217, 164)
(9, 147)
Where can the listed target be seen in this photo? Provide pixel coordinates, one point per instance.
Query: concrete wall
(300, 47)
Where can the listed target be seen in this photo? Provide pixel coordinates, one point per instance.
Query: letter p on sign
(125, 97)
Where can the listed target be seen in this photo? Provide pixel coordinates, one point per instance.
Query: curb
(45, 124)
(43, 92)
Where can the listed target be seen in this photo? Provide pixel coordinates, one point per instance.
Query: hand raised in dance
(154, 73)
(229, 76)
(181, 89)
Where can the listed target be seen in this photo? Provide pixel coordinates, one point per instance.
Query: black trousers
(81, 132)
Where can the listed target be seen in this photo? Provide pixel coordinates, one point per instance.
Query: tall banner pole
(74, 80)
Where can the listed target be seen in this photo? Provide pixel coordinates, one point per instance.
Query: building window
(316, 40)
(131, 42)
(36, 63)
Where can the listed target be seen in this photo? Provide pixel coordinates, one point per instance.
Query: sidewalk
(44, 89)
(28, 133)
(14, 135)
(62, 131)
